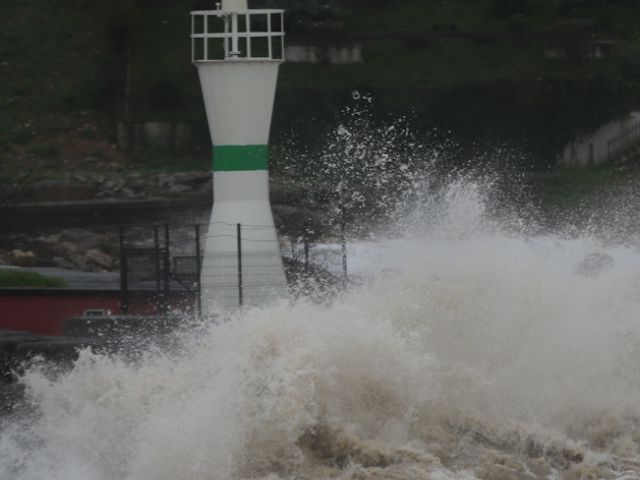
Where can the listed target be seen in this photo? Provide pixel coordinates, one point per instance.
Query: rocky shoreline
(74, 222)
(117, 185)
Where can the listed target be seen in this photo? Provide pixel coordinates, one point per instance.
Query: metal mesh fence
(329, 257)
(165, 260)
(146, 271)
(186, 268)
(144, 268)
(249, 278)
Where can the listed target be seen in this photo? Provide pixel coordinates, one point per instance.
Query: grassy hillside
(476, 67)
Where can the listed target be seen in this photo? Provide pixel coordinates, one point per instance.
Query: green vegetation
(475, 67)
(43, 149)
(572, 188)
(17, 278)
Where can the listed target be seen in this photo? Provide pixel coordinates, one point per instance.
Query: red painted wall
(45, 313)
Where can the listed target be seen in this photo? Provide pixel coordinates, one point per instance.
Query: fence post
(343, 240)
(198, 273)
(124, 287)
(239, 238)
(156, 257)
(166, 273)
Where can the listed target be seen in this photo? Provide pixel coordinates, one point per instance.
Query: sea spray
(472, 349)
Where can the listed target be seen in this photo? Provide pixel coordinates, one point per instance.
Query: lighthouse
(238, 52)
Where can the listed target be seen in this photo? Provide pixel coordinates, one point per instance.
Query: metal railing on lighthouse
(248, 34)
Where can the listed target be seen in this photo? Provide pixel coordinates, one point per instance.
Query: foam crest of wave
(470, 350)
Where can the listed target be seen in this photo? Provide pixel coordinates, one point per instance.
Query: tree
(301, 13)
(505, 8)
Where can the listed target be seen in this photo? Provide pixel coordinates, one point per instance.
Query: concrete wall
(173, 136)
(334, 55)
(591, 149)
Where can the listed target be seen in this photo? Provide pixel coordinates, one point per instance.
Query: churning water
(473, 348)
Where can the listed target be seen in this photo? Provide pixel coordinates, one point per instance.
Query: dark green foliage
(517, 22)
(630, 66)
(474, 67)
(630, 70)
(305, 14)
(43, 149)
(118, 36)
(311, 9)
(417, 41)
(505, 8)
(165, 95)
(20, 136)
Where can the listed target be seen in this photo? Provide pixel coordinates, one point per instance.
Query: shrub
(43, 149)
(302, 13)
(20, 136)
(506, 8)
(17, 278)
(166, 95)
(517, 23)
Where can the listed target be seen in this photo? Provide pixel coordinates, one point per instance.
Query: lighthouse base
(242, 263)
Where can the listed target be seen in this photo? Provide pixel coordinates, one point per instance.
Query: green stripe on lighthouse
(237, 158)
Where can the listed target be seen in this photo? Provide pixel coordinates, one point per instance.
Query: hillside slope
(477, 67)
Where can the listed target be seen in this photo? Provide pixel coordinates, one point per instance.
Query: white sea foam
(472, 350)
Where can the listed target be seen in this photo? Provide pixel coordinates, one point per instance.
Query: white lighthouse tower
(238, 52)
